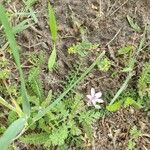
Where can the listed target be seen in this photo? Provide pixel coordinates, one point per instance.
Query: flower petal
(93, 102)
(98, 95)
(92, 92)
(99, 100)
(89, 97)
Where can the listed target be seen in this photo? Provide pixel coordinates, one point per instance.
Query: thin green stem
(122, 88)
(6, 104)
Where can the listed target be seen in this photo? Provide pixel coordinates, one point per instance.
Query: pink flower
(94, 98)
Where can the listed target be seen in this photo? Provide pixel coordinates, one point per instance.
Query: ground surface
(106, 24)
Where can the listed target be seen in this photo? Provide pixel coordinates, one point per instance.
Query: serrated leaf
(135, 133)
(13, 130)
(76, 131)
(115, 106)
(134, 26)
(59, 135)
(104, 64)
(35, 138)
(125, 50)
(52, 23)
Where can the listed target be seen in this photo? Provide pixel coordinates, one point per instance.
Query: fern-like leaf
(35, 83)
(35, 138)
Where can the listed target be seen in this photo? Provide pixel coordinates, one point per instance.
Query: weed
(67, 120)
(82, 48)
(144, 81)
(104, 64)
(134, 135)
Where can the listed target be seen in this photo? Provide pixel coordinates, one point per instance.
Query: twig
(114, 37)
(118, 8)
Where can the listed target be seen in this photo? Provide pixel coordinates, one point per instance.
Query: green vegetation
(58, 119)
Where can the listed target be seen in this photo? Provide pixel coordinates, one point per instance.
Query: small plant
(144, 81)
(82, 48)
(66, 121)
(134, 135)
(104, 64)
(124, 102)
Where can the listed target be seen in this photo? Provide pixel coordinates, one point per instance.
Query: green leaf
(104, 64)
(21, 26)
(6, 104)
(82, 48)
(35, 83)
(9, 34)
(130, 102)
(35, 138)
(115, 106)
(125, 50)
(59, 135)
(10, 134)
(15, 49)
(30, 3)
(46, 102)
(75, 131)
(135, 133)
(52, 23)
(131, 145)
(133, 25)
(52, 59)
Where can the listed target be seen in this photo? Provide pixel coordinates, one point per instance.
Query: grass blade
(52, 59)
(52, 23)
(133, 25)
(10, 134)
(15, 50)
(22, 26)
(6, 104)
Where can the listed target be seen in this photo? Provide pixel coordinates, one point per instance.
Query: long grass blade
(10, 134)
(52, 23)
(53, 30)
(15, 50)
